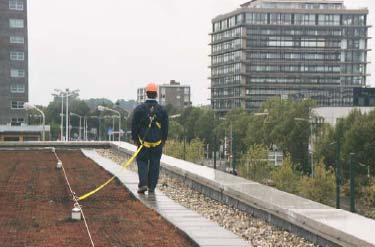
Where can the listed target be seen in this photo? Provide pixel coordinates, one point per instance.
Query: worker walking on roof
(150, 129)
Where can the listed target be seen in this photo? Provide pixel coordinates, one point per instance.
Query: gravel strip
(256, 231)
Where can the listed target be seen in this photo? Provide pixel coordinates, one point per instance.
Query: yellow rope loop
(123, 165)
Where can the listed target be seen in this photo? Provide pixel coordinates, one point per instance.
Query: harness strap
(149, 144)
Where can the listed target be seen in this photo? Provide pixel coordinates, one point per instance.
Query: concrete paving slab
(185, 219)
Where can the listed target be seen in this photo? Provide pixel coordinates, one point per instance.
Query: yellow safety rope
(123, 165)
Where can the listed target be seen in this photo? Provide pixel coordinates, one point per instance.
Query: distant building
(13, 62)
(364, 97)
(14, 87)
(23, 133)
(330, 115)
(170, 94)
(292, 49)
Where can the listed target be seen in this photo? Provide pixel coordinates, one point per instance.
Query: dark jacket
(141, 121)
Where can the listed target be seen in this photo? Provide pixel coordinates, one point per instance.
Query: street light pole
(103, 108)
(113, 128)
(80, 128)
(67, 116)
(61, 95)
(62, 118)
(338, 174)
(67, 93)
(80, 124)
(310, 149)
(214, 146)
(85, 128)
(184, 133)
(30, 106)
(100, 132)
(352, 186)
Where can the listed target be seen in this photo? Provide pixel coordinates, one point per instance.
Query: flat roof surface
(36, 205)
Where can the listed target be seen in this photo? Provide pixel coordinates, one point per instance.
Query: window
(16, 5)
(17, 73)
(224, 24)
(17, 121)
(16, 40)
(17, 56)
(217, 26)
(232, 21)
(239, 19)
(17, 88)
(16, 23)
(329, 20)
(17, 104)
(305, 19)
(256, 18)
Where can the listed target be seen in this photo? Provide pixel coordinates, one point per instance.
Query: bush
(321, 187)
(254, 164)
(174, 148)
(194, 150)
(285, 177)
(368, 196)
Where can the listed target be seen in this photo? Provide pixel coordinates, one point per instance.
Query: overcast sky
(109, 48)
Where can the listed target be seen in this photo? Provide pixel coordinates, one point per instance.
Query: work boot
(142, 189)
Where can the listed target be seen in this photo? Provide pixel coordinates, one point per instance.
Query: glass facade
(258, 53)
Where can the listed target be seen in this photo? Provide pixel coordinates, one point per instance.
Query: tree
(359, 138)
(176, 130)
(280, 128)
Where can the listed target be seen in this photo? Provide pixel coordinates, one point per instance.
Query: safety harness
(152, 123)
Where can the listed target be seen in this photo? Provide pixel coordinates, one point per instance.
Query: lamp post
(233, 146)
(99, 119)
(310, 149)
(338, 174)
(126, 128)
(60, 94)
(352, 186)
(184, 133)
(215, 140)
(67, 93)
(80, 124)
(111, 135)
(103, 108)
(29, 106)
(338, 163)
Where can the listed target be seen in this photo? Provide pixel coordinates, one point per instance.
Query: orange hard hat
(152, 87)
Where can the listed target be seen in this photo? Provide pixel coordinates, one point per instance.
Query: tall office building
(169, 94)
(292, 49)
(13, 61)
